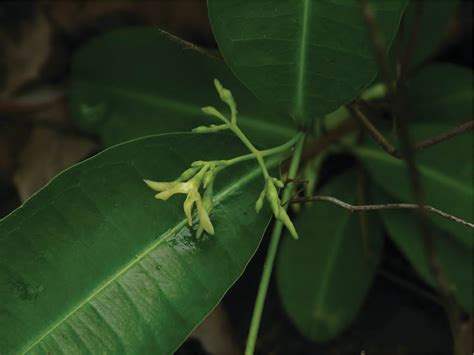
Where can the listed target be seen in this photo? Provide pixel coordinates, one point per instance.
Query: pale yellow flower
(191, 189)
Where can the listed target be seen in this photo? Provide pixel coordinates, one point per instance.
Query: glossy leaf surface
(93, 263)
(308, 56)
(135, 82)
(324, 276)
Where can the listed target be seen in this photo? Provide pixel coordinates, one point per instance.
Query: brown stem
(397, 103)
(373, 131)
(390, 149)
(465, 127)
(191, 46)
(383, 206)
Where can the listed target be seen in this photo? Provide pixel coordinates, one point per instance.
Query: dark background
(38, 140)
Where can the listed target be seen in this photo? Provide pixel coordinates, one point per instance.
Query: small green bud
(199, 163)
(208, 178)
(187, 174)
(278, 183)
(226, 96)
(259, 203)
(188, 205)
(212, 111)
(204, 219)
(207, 198)
(272, 197)
(283, 218)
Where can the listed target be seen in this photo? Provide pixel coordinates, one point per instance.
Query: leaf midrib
(219, 197)
(302, 58)
(245, 121)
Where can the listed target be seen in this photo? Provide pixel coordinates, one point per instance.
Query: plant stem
(271, 254)
(256, 153)
(275, 150)
(383, 206)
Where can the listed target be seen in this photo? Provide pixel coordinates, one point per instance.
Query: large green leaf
(307, 56)
(135, 82)
(324, 276)
(442, 92)
(432, 25)
(94, 264)
(446, 170)
(455, 259)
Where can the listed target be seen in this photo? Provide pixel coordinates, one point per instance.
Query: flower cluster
(189, 183)
(202, 173)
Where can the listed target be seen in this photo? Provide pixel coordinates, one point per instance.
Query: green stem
(256, 153)
(264, 153)
(271, 254)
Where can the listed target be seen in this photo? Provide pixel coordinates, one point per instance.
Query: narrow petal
(283, 218)
(188, 205)
(204, 219)
(178, 188)
(159, 186)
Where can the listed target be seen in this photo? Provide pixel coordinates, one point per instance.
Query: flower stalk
(201, 174)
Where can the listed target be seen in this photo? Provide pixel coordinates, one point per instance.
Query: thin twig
(465, 127)
(189, 45)
(373, 131)
(381, 206)
(397, 103)
(390, 149)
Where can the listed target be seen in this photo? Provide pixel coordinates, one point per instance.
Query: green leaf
(442, 92)
(446, 176)
(309, 57)
(324, 276)
(434, 21)
(93, 263)
(135, 82)
(455, 259)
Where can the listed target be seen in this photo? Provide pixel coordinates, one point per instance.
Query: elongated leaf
(430, 28)
(324, 276)
(446, 170)
(443, 93)
(94, 264)
(455, 259)
(135, 82)
(308, 56)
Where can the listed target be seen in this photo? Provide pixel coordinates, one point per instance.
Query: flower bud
(272, 197)
(187, 174)
(226, 96)
(204, 219)
(283, 218)
(208, 178)
(278, 183)
(259, 203)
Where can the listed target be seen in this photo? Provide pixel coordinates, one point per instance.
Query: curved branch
(384, 206)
